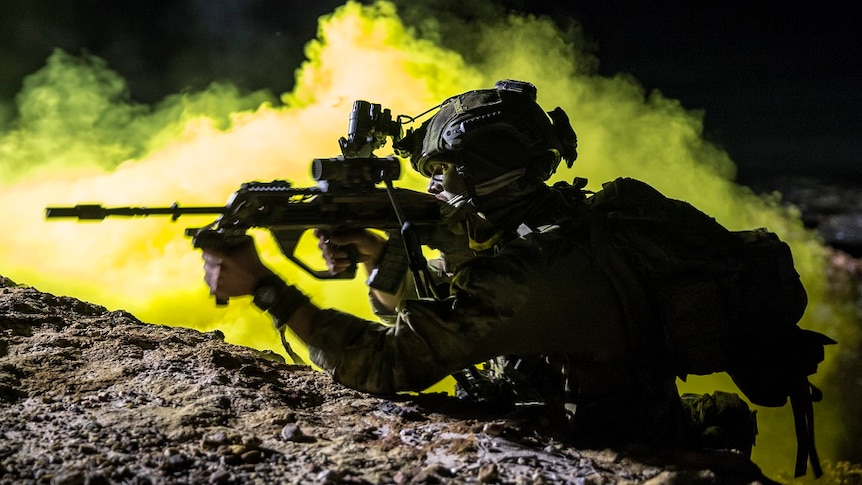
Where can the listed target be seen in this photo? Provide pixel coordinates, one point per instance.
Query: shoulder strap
(801, 400)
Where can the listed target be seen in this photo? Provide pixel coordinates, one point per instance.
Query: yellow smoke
(79, 139)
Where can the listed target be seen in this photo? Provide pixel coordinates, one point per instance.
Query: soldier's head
(493, 137)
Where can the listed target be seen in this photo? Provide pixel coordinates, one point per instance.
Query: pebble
(87, 449)
(69, 478)
(238, 449)
(488, 473)
(252, 456)
(251, 441)
(214, 441)
(292, 432)
(330, 476)
(220, 477)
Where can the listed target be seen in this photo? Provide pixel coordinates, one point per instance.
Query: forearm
(360, 354)
(424, 341)
(385, 305)
(386, 278)
(371, 357)
(301, 321)
(379, 359)
(329, 343)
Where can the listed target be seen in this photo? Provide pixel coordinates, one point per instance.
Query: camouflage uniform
(598, 302)
(541, 293)
(546, 285)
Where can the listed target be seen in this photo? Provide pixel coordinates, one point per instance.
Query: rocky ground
(89, 396)
(92, 396)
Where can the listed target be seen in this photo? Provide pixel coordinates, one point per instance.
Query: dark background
(779, 84)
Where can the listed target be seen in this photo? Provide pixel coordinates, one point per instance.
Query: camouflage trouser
(599, 406)
(720, 421)
(648, 409)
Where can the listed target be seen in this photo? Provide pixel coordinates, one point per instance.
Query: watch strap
(287, 300)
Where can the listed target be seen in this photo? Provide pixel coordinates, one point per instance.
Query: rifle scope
(355, 172)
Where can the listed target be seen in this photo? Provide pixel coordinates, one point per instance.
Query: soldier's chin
(444, 196)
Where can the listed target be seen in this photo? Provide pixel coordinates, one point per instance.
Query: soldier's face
(445, 182)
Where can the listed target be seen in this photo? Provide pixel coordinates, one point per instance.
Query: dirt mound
(93, 396)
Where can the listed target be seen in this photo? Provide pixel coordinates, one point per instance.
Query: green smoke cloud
(77, 114)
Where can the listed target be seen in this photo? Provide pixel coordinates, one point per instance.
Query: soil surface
(89, 396)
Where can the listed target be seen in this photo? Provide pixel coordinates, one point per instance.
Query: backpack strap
(801, 400)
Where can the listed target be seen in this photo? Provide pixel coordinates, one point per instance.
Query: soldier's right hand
(341, 249)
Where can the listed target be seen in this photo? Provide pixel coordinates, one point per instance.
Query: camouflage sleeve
(429, 339)
(543, 294)
(408, 292)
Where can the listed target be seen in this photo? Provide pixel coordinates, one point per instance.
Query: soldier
(528, 293)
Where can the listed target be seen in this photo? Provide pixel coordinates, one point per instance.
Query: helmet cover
(493, 131)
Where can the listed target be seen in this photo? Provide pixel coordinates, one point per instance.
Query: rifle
(346, 197)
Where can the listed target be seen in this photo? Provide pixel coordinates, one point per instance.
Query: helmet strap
(469, 184)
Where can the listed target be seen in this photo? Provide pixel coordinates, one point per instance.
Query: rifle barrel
(98, 212)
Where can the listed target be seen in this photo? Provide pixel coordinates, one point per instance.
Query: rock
(488, 473)
(292, 432)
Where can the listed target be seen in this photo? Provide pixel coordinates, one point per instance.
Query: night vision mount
(369, 127)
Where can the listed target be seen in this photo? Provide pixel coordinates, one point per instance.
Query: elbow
(379, 374)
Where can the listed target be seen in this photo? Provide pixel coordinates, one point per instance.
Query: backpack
(727, 301)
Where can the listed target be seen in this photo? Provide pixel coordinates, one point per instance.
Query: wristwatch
(268, 291)
(278, 298)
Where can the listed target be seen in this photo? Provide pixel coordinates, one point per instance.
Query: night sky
(779, 84)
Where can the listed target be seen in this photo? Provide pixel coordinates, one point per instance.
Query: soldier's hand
(233, 272)
(343, 248)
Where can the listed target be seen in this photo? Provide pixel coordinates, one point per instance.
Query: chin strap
(469, 184)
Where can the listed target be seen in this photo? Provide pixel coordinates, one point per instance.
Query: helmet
(493, 131)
